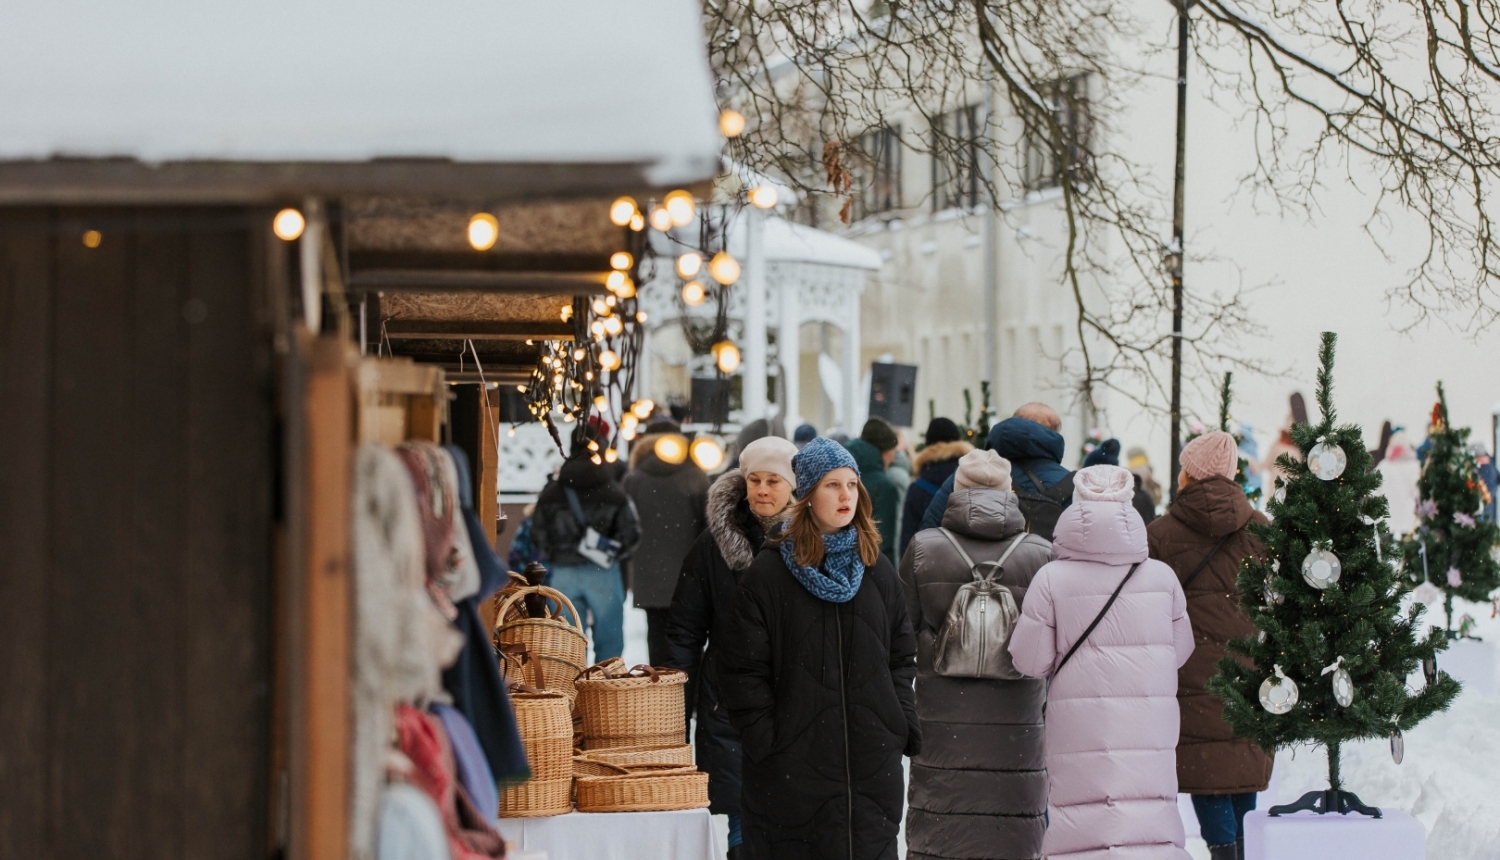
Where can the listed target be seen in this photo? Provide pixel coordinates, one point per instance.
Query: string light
(628, 423)
(623, 211)
(731, 123)
(680, 207)
(566, 313)
(609, 360)
(611, 455)
(92, 238)
(613, 326)
(724, 268)
(726, 356)
(707, 453)
(626, 290)
(693, 293)
(484, 230)
(642, 409)
(621, 260)
(763, 196)
(615, 281)
(288, 224)
(689, 265)
(661, 219)
(600, 307)
(637, 222)
(671, 448)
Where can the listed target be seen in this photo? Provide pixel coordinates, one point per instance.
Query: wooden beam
(403, 329)
(477, 261)
(459, 281)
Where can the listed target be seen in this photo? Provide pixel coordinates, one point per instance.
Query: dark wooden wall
(136, 482)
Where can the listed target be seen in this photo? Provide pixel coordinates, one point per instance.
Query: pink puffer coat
(1112, 715)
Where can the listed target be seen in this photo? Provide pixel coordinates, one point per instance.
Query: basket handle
(623, 771)
(551, 594)
(523, 656)
(643, 668)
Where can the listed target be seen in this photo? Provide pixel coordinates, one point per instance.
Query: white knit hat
(1103, 484)
(982, 468)
(769, 454)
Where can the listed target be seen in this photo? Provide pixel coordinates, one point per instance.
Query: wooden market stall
(182, 388)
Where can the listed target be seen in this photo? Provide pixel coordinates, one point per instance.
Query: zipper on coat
(984, 606)
(838, 626)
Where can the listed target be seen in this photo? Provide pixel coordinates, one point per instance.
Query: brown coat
(1210, 760)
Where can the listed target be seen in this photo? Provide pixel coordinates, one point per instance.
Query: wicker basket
(545, 723)
(536, 798)
(642, 707)
(560, 646)
(643, 790)
(491, 609)
(607, 762)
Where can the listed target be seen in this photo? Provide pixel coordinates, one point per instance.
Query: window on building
(878, 174)
(1045, 166)
(955, 159)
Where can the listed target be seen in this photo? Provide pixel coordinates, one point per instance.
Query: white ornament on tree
(1343, 685)
(1321, 569)
(1278, 694)
(1326, 460)
(1272, 595)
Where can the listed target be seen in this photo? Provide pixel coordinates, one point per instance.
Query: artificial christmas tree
(1452, 545)
(1330, 664)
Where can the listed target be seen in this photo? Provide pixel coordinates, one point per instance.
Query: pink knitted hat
(1212, 454)
(1103, 484)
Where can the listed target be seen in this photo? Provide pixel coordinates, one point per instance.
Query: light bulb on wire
(483, 231)
(724, 268)
(763, 196)
(689, 265)
(661, 219)
(731, 123)
(642, 409)
(693, 293)
(623, 211)
(621, 260)
(707, 453)
(288, 224)
(680, 207)
(671, 448)
(609, 360)
(613, 326)
(726, 356)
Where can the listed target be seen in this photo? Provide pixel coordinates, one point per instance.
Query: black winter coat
(669, 500)
(699, 624)
(934, 464)
(556, 532)
(821, 694)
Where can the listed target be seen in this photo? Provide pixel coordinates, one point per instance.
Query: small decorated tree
(1335, 649)
(1452, 545)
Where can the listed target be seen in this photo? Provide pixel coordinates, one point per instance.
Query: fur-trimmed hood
(937, 452)
(737, 531)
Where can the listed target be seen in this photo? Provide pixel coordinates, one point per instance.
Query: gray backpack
(975, 637)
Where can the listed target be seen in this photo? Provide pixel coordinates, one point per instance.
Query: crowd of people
(1035, 639)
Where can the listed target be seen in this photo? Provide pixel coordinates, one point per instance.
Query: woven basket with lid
(643, 789)
(559, 645)
(641, 707)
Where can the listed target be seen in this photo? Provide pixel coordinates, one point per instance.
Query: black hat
(880, 434)
(942, 430)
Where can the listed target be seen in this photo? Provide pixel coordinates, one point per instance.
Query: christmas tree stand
(1324, 802)
(1393, 836)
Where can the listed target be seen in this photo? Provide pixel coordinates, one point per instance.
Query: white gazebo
(790, 272)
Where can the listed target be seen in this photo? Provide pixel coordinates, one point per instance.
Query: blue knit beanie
(816, 459)
(1106, 454)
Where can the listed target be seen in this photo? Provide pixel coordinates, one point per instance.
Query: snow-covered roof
(481, 81)
(789, 242)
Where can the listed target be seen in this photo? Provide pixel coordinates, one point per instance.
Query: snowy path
(1449, 780)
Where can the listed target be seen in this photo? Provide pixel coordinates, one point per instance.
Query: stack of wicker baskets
(546, 725)
(634, 758)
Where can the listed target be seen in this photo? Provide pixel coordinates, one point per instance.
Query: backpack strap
(577, 508)
(1000, 564)
(927, 485)
(1036, 482)
(1097, 619)
(1204, 563)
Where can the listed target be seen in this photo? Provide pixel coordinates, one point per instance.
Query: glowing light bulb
(609, 360)
(726, 355)
(621, 260)
(661, 219)
(597, 460)
(642, 409)
(593, 446)
(511, 432)
(763, 196)
(680, 207)
(578, 354)
(623, 211)
(689, 265)
(600, 307)
(707, 453)
(731, 123)
(671, 448)
(521, 388)
(566, 313)
(693, 293)
(626, 290)
(610, 301)
(637, 222)
(628, 424)
(92, 238)
(724, 268)
(615, 280)
(483, 231)
(611, 455)
(288, 224)
(601, 403)
(640, 316)
(597, 328)
(613, 326)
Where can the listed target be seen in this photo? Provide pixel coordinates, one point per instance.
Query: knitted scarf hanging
(838, 578)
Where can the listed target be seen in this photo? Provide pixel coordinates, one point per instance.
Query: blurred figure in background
(1108, 454)
(1140, 466)
(670, 499)
(523, 549)
(1399, 472)
(805, 433)
(1488, 476)
(934, 464)
(874, 451)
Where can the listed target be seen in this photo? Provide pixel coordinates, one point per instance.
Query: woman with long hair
(744, 506)
(817, 671)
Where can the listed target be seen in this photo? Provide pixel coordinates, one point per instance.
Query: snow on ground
(1448, 779)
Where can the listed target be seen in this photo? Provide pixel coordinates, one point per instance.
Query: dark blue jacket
(1022, 442)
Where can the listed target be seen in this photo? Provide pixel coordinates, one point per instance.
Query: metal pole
(991, 255)
(1177, 241)
(755, 316)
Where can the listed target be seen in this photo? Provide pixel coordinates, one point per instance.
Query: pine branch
(1325, 379)
(1224, 402)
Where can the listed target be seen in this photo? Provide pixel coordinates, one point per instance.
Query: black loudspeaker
(710, 400)
(893, 389)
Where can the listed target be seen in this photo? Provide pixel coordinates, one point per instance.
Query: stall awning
(211, 100)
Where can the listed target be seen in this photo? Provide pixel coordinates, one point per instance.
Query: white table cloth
(1309, 836)
(681, 835)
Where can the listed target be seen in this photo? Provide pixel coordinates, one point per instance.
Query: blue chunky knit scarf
(838, 578)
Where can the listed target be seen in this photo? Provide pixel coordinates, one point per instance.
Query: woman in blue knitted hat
(817, 675)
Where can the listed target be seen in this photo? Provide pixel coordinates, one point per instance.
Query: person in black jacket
(817, 670)
(943, 444)
(743, 505)
(556, 531)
